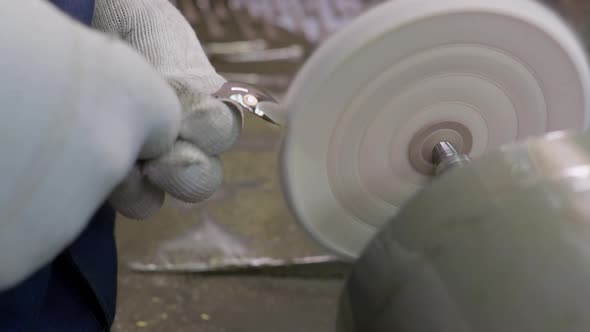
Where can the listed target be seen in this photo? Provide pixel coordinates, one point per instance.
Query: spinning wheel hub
(420, 149)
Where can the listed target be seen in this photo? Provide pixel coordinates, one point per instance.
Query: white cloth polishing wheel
(368, 107)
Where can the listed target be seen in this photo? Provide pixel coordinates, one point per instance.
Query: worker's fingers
(136, 197)
(207, 127)
(206, 122)
(186, 173)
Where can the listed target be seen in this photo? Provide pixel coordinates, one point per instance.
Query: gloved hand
(191, 171)
(76, 111)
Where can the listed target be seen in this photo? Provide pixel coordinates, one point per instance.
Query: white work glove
(191, 171)
(76, 111)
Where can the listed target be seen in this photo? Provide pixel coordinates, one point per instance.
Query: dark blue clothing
(81, 10)
(77, 291)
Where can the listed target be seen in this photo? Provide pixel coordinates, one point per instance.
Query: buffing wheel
(368, 107)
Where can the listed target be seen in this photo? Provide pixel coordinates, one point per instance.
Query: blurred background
(192, 267)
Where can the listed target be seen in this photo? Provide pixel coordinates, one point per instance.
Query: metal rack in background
(241, 35)
(264, 42)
